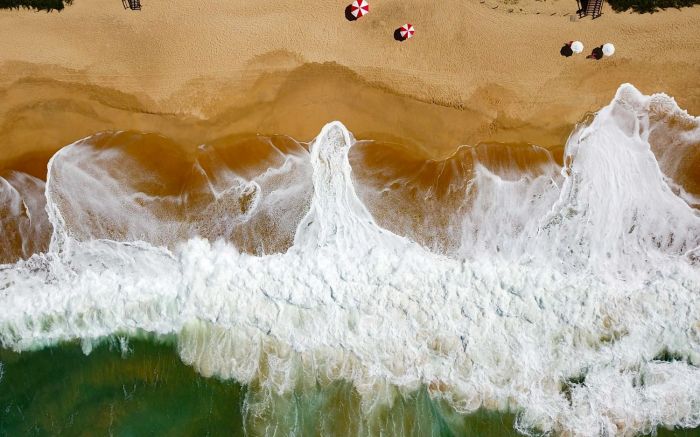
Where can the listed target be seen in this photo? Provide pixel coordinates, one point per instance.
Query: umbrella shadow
(397, 35)
(596, 54)
(566, 50)
(348, 14)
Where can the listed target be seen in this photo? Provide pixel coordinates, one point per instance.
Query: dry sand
(197, 71)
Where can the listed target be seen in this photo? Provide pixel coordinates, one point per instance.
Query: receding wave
(562, 285)
(23, 220)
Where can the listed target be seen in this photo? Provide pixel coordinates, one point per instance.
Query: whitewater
(561, 297)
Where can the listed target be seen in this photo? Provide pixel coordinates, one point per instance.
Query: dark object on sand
(39, 5)
(566, 50)
(596, 54)
(134, 5)
(594, 8)
(650, 6)
(397, 35)
(348, 14)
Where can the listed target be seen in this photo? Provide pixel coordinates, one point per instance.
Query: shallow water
(562, 284)
(146, 389)
(60, 391)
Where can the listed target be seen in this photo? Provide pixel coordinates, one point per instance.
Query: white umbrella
(608, 49)
(577, 46)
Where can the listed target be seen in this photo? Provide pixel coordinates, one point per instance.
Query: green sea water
(146, 390)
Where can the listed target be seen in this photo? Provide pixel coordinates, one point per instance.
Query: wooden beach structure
(134, 5)
(594, 8)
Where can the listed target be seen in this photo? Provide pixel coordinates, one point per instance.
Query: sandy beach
(194, 71)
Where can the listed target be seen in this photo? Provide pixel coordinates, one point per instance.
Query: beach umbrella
(577, 46)
(407, 31)
(608, 49)
(358, 8)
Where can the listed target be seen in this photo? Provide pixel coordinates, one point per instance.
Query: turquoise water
(60, 391)
(149, 391)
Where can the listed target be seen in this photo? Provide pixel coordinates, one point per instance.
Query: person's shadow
(566, 51)
(397, 35)
(348, 14)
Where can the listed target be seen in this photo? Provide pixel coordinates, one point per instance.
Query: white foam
(23, 221)
(594, 287)
(96, 192)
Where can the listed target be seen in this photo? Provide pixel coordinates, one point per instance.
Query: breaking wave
(501, 277)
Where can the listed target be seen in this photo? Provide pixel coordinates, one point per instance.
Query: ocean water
(144, 389)
(357, 288)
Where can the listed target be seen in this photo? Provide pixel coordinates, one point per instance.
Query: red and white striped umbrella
(407, 31)
(359, 8)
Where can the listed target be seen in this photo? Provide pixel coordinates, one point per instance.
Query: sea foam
(564, 305)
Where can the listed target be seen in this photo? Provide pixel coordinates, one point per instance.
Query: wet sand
(197, 72)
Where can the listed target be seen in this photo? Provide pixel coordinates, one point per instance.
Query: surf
(552, 290)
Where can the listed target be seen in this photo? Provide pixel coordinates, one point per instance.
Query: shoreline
(472, 74)
(269, 105)
(40, 116)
